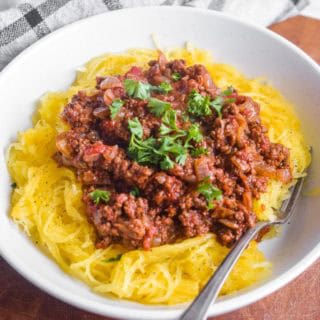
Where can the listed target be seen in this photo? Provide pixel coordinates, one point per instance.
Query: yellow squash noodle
(47, 200)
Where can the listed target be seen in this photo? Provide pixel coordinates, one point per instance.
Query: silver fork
(199, 307)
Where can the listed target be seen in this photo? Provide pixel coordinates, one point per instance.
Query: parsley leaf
(176, 76)
(14, 185)
(229, 100)
(209, 191)
(130, 86)
(143, 151)
(166, 163)
(217, 104)
(164, 130)
(169, 122)
(181, 158)
(194, 133)
(137, 89)
(199, 105)
(198, 152)
(100, 195)
(113, 259)
(169, 145)
(115, 107)
(169, 118)
(164, 87)
(158, 107)
(228, 91)
(135, 127)
(142, 91)
(135, 192)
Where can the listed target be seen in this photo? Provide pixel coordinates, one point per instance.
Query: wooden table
(300, 300)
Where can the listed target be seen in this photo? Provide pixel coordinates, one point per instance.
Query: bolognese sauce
(164, 154)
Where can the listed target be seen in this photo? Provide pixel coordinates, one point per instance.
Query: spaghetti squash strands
(47, 203)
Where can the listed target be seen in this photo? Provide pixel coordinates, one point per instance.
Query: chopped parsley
(135, 127)
(164, 87)
(176, 76)
(228, 91)
(169, 119)
(210, 192)
(170, 145)
(115, 107)
(169, 123)
(158, 107)
(217, 105)
(181, 158)
(135, 192)
(229, 100)
(113, 259)
(100, 195)
(137, 89)
(166, 163)
(220, 101)
(198, 152)
(194, 133)
(142, 90)
(143, 151)
(159, 151)
(199, 105)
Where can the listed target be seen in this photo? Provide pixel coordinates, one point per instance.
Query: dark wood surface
(299, 300)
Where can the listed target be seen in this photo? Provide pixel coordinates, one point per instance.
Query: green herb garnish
(158, 107)
(210, 192)
(199, 105)
(166, 163)
(13, 185)
(176, 76)
(170, 145)
(115, 107)
(157, 151)
(217, 104)
(194, 133)
(137, 89)
(229, 100)
(135, 127)
(100, 195)
(228, 91)
(198, 152)
(143, 151)
(113, 259)
(142, 90)
(169, 118)
(164, 87)
(168, 122)
(173, 143)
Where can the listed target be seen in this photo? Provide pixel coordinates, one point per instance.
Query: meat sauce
(210, 188)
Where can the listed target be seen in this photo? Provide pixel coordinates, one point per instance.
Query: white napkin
(25, 21)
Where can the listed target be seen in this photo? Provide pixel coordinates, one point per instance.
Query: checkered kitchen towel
(26, 21)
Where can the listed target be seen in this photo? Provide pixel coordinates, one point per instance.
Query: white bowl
(50, 64)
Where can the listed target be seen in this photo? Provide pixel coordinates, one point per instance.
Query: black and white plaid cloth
(26, 21)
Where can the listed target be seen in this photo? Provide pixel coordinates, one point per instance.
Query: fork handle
(199, 307)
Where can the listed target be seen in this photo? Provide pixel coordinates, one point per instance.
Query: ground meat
(148, 206)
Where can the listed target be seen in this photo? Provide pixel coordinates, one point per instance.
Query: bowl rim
(120, 311)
